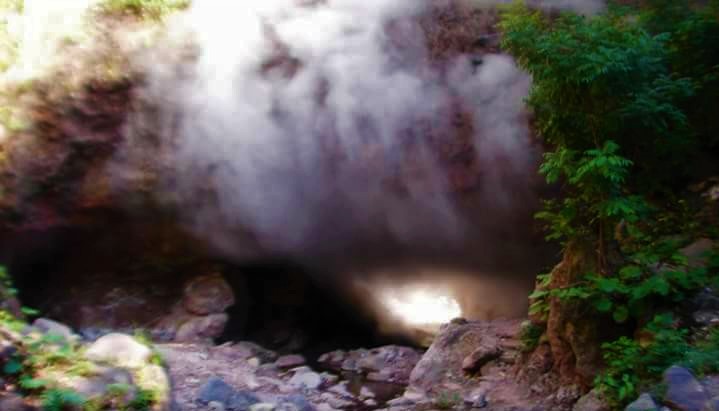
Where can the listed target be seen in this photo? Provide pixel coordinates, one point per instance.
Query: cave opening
(282, 306)
(125, 279)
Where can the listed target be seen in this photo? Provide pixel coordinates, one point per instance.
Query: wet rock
(645, 402)
(290, 361)
(592, 401)
(55, 328)
(215, 390)
(208, 294)
(119, 349)
(486, 352)
(684, 392)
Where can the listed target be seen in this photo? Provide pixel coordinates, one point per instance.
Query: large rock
(209, 294)
(645, 402)
(55, 328)
(441, 367)
(215, 389)
(684, 392)
(489, 350)
(119, 349)
(202, 329)
(592, 401)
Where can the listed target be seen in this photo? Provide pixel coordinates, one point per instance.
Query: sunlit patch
(421, 306)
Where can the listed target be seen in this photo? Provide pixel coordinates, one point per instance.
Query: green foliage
(143, 400)
(152, 9)
(625, 102)
(60, 400)
(529, 336)
(447, 400)
(632, 365)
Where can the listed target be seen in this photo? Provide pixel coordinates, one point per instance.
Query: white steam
(318, 125)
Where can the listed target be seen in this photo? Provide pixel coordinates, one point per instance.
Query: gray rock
(119, 349)
(263, 406)
(592, 401)
(308, 380)
(684, 392)
(290, 361)
(50, 327)
(242, 401)
(299, 403)
(486, 352)
(216, 390)
(643, 403)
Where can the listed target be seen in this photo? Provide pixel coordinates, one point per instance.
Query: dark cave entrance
(287, 310)
(121, 279)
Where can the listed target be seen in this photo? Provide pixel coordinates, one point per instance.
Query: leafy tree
(621, 101)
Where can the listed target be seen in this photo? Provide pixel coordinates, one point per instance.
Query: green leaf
(13, 366)
(621, 314)
(604, 305)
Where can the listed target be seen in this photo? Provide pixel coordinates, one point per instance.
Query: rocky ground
(468, 367)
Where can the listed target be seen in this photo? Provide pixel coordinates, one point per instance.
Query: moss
(147, 9)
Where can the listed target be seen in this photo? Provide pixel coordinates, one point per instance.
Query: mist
(323, 132)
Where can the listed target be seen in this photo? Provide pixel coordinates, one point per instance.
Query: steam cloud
(309, 124)
(315, 129)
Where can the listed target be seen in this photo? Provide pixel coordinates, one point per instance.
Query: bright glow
(42, 29)
(421, 306)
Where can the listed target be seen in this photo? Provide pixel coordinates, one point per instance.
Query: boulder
(592, 401)
(202, 329)
(441, 367)
(209, 294)
(645, 402)
(215, 389)
(50, 327)
(119, 349)
(683, 391)
(486, 352)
